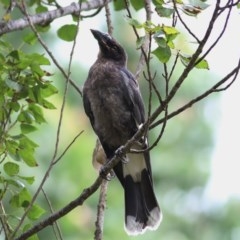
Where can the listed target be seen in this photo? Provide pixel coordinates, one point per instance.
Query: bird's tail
(142, 211)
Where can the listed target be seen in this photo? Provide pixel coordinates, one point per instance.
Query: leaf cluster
(23, 95)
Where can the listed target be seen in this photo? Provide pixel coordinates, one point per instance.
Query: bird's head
(109, 47)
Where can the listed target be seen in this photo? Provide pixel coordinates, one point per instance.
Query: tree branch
(47, 17)
(215, 88)
(62, 212)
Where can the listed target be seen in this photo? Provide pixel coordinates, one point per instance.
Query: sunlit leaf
(202, 65)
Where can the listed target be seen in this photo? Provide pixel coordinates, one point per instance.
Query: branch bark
(47, 17)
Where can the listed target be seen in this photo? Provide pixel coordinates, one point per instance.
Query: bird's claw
(107, 176)
(119, 153)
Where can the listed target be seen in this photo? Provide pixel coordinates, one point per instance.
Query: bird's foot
(120, 154)
(107, 176)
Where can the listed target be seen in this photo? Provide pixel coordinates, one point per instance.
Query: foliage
(24, 91)
(26, 87)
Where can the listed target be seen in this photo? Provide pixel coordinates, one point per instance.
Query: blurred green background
(181, 161)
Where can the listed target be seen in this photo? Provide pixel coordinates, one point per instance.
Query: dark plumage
(114, 105)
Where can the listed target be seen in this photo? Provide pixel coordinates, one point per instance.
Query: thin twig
(56, 228)
(62, 212)
(191, 63)
(67, 148)
(183, 23)
(214, 88)
(218, 38)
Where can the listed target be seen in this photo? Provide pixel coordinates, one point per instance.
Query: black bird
(114, 105)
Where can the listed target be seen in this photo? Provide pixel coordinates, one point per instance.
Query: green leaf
(27, 128)
(48, 104)
(25, 142)
(12, 146)
(137, 4)
(15, 106)
(67, 32)
(140, 41)
(161, 42)
(29, 180)
(162, 53)
(26, 117)
(134, 22)
(48, 90)
(164, 12)
(41, 8)
(185, 59)
(30, 38)
(202, 65)
(27, 157)
(39, 59)
(37, 113)
(11, 168)
(35, 212)
(170, 30)
(22, 199)
(118, 5)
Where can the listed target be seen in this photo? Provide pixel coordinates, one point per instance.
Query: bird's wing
(87, 108)
(133, 97)
(135, 104)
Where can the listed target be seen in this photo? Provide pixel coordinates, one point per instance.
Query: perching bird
(114, 105)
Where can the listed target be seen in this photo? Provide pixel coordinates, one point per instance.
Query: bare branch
(108, 18)
(218, 38)
(192, 62)
(62, 212)
(98, 235)
(47, 17)
(183, 23)
(216, 88)
(55, 225)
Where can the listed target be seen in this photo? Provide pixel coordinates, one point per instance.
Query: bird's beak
(96, 34)
(102, 38)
